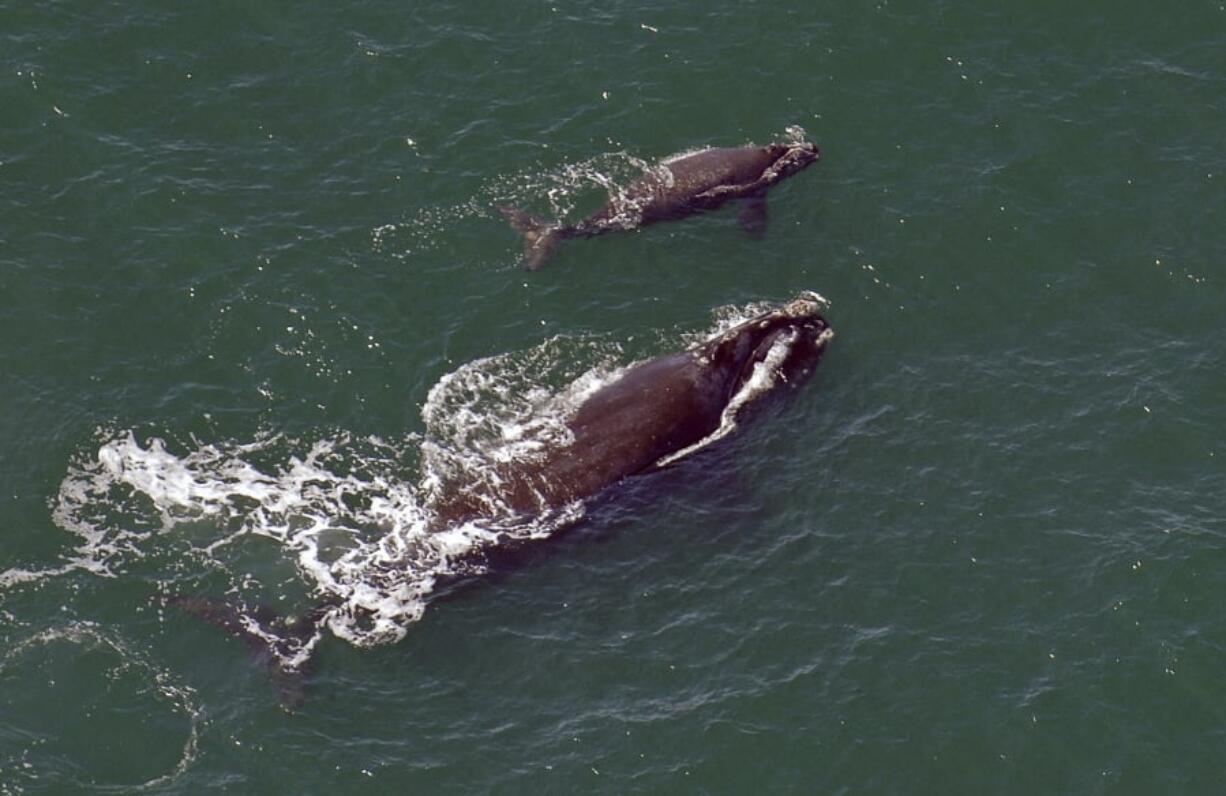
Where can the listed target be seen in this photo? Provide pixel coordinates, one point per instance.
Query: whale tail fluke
(541, 237)
(281, 644)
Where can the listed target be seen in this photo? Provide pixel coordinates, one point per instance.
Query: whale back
(701, 171)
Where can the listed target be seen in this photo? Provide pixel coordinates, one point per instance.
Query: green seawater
(978, 553)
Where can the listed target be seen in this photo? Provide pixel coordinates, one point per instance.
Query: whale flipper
(752, 215)
(540, 236)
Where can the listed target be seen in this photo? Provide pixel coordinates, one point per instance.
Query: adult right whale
(650, 415)
(675, 188)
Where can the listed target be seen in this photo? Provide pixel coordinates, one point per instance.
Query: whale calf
(675, 188)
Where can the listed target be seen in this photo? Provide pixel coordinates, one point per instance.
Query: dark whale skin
(653, 410)
(674, 189)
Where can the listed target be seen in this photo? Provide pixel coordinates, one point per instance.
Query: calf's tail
(541, 237)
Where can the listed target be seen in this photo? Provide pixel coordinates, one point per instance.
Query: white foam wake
(349, 513)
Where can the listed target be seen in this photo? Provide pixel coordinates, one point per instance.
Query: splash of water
(349, 512)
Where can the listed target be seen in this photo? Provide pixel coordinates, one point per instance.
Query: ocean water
(254, 288)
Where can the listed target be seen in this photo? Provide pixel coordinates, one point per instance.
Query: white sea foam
(795, 134)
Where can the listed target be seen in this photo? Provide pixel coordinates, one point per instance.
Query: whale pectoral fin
(752, 215)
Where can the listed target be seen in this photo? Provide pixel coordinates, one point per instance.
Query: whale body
(652, 414)
(675, 188)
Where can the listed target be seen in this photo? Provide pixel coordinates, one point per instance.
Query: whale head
(779, 347)
(789, 158)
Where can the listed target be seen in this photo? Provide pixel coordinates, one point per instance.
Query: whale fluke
(540, 236)
(275, 641)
